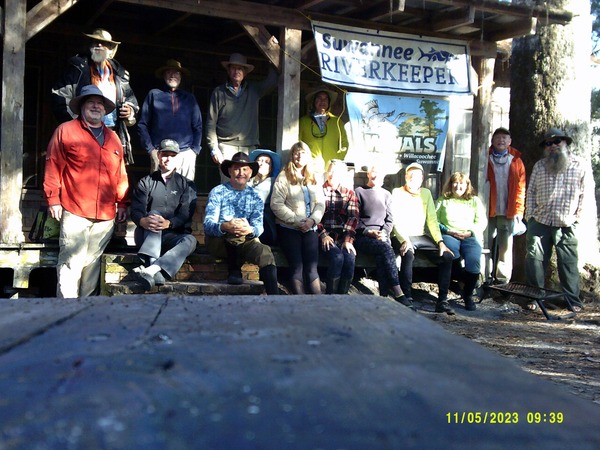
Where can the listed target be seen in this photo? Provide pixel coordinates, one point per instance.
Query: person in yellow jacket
(321, 130)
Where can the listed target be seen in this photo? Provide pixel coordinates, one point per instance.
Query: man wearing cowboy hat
(323, 132)
(232, 124)
(234, 220)
(172, 113)
(553, 207)
(100, 69)
(85, 185)
(162, 206)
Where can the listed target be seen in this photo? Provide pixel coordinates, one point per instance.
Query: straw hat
(101, 35)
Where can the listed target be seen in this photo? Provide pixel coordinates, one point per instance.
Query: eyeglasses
(553, 142)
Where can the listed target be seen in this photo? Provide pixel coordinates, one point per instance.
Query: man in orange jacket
(506, 174)
(85, 185)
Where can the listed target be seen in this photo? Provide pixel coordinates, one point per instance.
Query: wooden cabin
(38, 37)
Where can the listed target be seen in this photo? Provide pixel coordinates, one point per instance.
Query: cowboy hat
(239, 158)
(87, 91)
(101, 35)
(171, 64)
(275, 159)
(238, 60)
(310, 97)
(555, 133)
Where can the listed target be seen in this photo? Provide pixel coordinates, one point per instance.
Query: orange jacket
(516, 186)
(84, 178)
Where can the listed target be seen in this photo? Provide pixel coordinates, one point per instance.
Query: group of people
(303, 206)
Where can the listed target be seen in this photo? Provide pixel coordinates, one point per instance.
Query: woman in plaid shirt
(338, 229)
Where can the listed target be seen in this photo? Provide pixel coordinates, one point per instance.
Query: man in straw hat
(162, 206)
(553, 207)
(172, 113)
(323, 132)
(100, 69)
(85, 185)
(234, 220)
(232, 124)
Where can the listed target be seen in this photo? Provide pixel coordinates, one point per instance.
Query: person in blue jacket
(172, 113)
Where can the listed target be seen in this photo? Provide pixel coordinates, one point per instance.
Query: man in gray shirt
(232, 123)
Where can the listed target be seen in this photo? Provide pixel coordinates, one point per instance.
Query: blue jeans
(341, 262)
(468, 249)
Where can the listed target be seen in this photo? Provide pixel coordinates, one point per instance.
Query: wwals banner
(371, 59)
(391, 131)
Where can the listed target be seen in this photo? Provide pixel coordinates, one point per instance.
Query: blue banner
(393, 131)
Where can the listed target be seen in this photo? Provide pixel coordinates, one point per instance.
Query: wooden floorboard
(258, 372)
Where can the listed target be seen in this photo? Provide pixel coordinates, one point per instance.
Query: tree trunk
(551, 87)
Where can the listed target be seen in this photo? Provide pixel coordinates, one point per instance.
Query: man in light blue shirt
(234, 220)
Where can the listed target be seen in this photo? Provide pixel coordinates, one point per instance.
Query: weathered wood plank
(269, 372)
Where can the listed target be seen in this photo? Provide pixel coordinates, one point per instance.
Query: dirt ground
(565, 351)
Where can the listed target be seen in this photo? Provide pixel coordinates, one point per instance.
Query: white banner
(385, 61)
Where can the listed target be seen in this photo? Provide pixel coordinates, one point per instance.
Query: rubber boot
(297, 287)
(268, 276)
(331, 285)
(234, 266)
(314, 287)
(344, 286)
(470, 284)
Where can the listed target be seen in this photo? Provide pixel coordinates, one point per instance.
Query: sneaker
(444, 307)
(159, 279)
(406, 301)
(144, 278)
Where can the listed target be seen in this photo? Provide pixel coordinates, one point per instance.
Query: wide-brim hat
(101, 35)
(275, 158)
(239, 158)
(239, 60)
(87, 91)
(171, 64)
(310, 97)
(555, 133)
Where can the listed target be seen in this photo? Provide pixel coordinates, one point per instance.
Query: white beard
(99, 55)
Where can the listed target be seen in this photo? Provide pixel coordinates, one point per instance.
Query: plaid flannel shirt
(341, 213)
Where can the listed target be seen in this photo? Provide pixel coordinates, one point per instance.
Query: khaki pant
(82, 242)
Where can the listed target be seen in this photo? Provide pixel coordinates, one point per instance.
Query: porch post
(11, 121)
(288, 107)
(482, 122)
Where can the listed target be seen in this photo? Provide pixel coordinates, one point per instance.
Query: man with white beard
(100, 69)
(553, 206)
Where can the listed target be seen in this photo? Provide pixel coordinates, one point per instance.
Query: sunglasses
(553, 142)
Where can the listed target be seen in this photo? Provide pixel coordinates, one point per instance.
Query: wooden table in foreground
(256, 372)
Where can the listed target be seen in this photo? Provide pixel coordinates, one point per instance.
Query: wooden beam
(11, 122)
(42, 14)
(550, 15)
(266, 42)
(98, 11)
(453, 19)
(516, 29)
(239, 10)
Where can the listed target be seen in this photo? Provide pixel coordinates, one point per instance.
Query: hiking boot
(444, 307)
